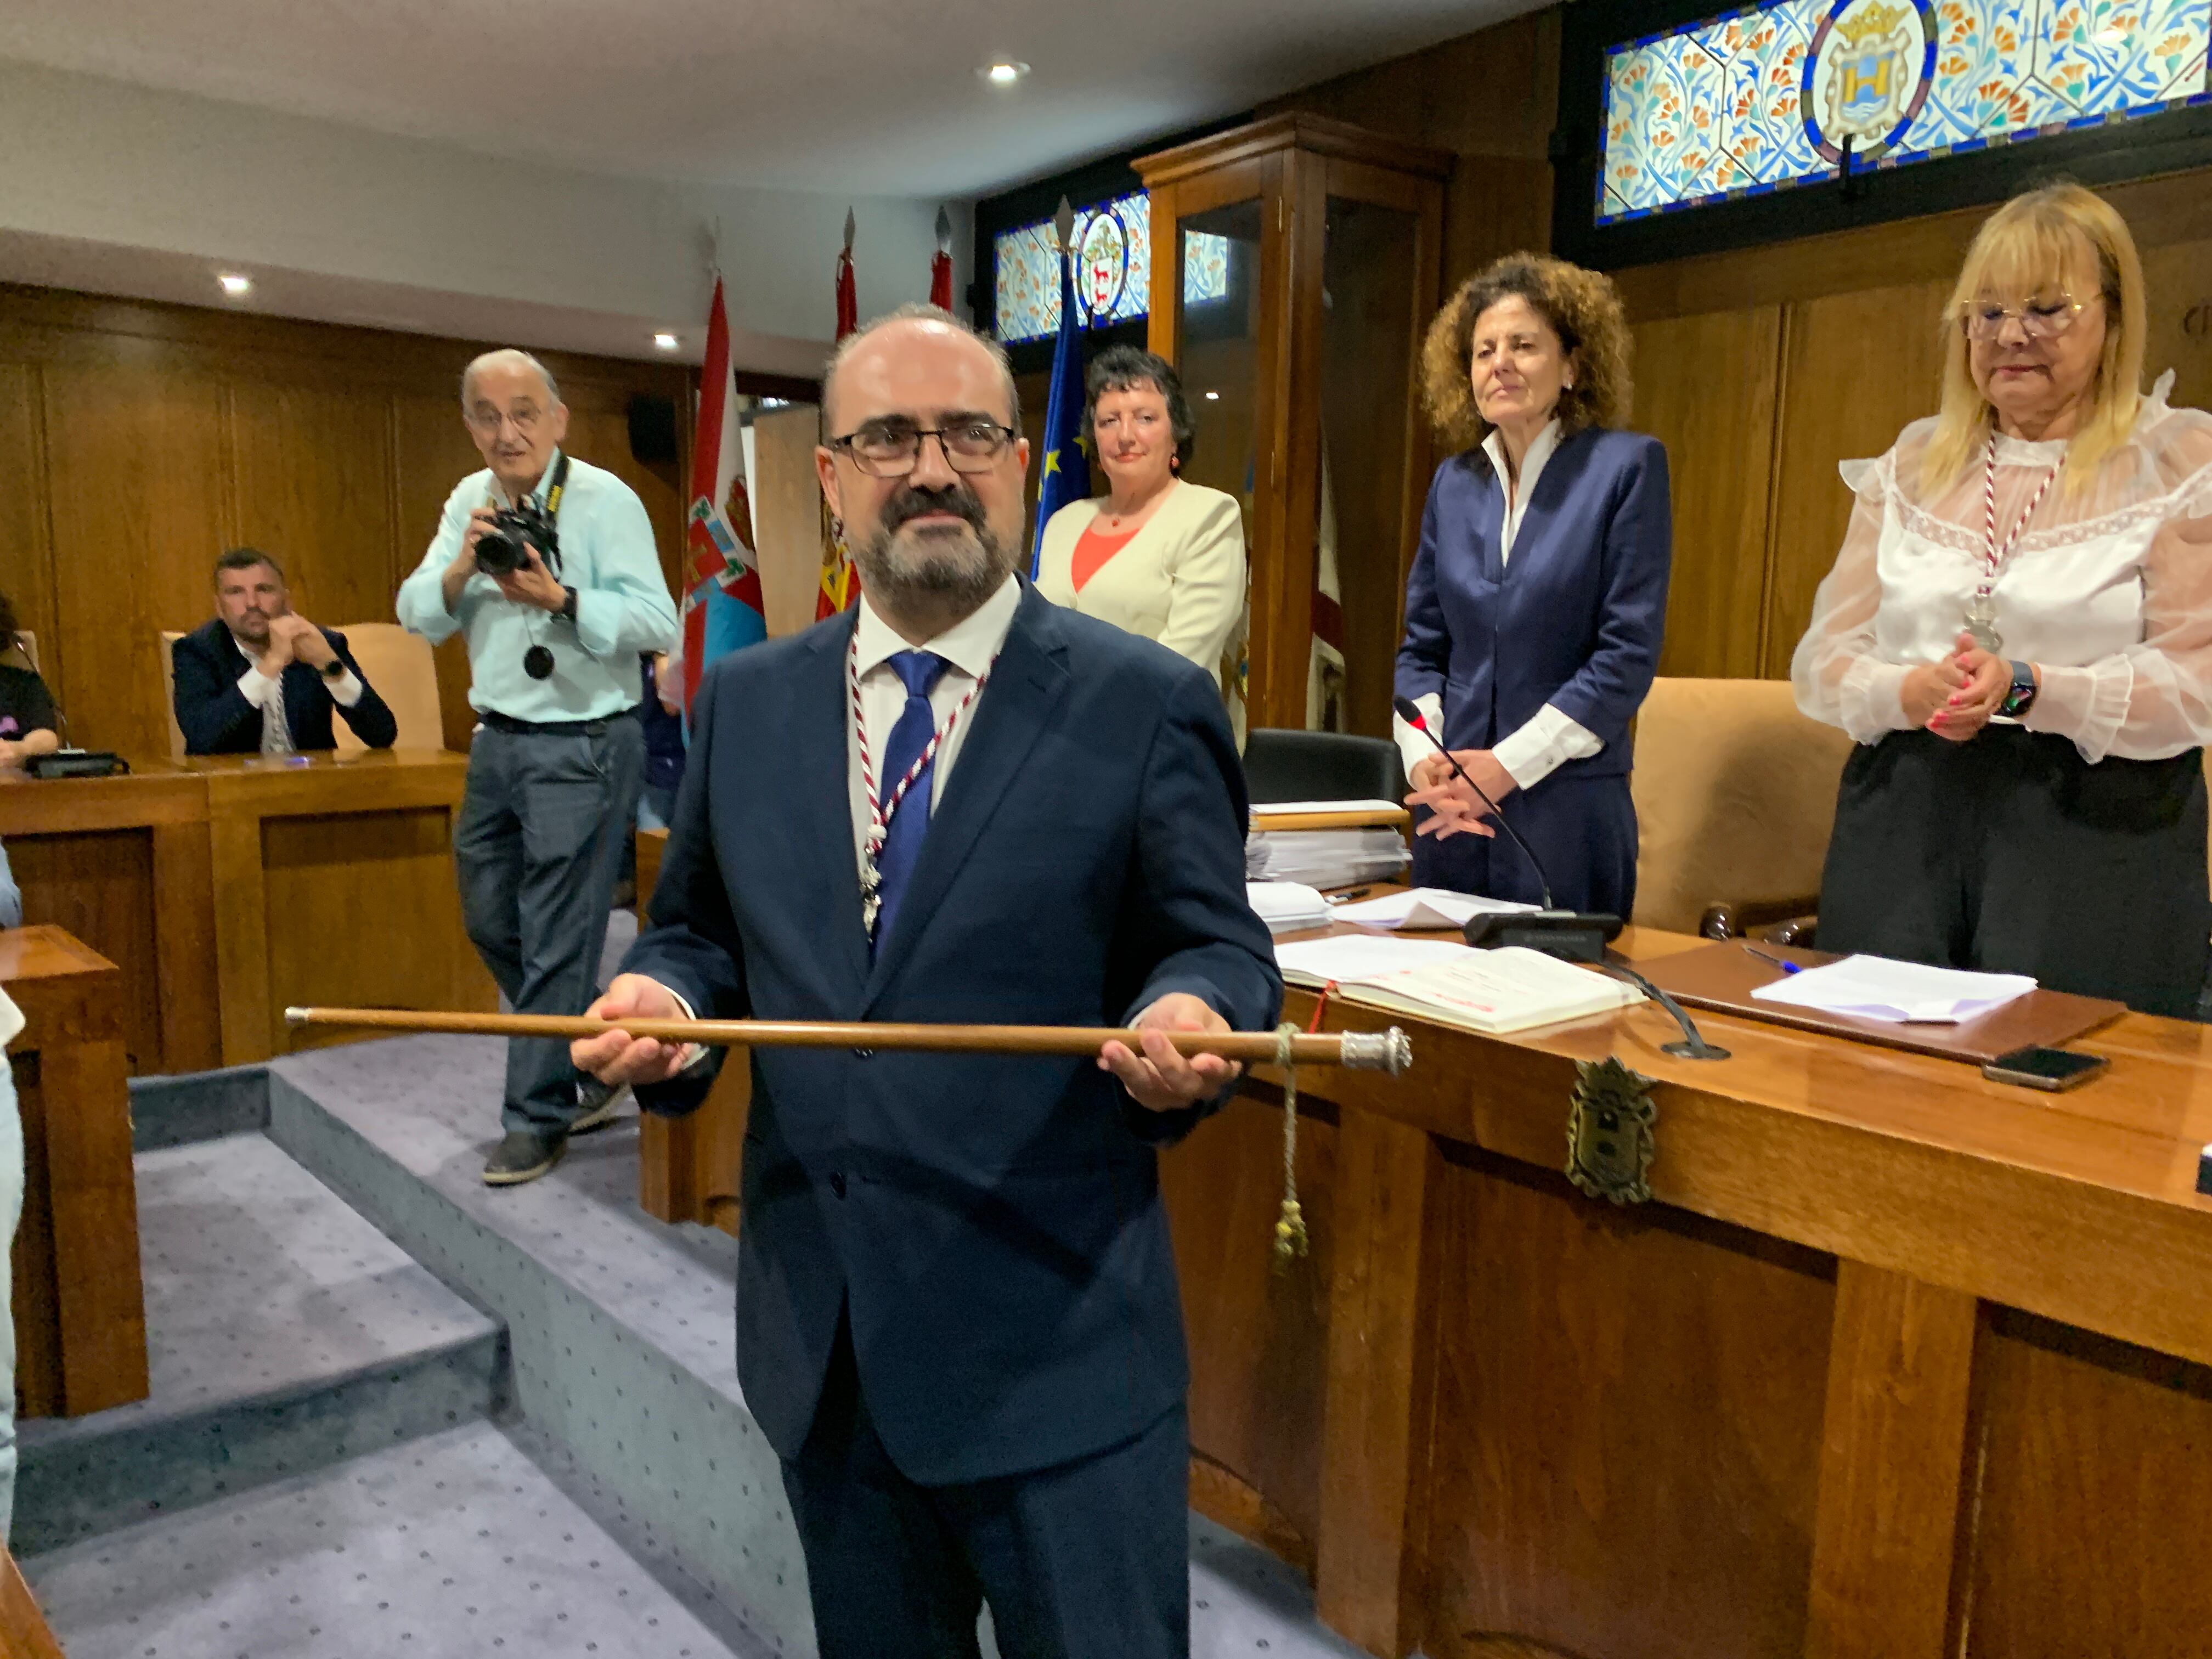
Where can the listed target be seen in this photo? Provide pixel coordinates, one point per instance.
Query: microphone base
(1569, 935)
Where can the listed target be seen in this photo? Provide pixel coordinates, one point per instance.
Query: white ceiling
(869, 97)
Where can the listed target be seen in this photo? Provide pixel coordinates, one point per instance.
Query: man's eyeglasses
(2040, 319)
(890, 449)
(490, 420)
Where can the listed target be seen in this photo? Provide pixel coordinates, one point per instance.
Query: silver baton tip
(296, 1016)
(1388, 1051)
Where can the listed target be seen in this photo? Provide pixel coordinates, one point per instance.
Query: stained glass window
(1113, 269)
(1764, 98)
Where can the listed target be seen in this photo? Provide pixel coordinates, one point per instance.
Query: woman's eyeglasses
(890, 449)
(2039, 319)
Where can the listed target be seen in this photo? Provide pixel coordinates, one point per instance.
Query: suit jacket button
(837, 1185)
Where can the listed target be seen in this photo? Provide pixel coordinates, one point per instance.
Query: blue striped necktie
(903, 838)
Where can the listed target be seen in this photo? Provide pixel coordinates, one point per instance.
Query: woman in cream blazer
(1155, 556)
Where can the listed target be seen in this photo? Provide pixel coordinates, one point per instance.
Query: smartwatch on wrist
(335, 669)
(568, 607)
(2022, 696)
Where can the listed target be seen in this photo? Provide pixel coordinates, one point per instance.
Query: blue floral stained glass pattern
(1761, 99)
(1114, 269)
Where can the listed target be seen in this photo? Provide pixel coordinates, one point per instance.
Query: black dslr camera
(500, 550)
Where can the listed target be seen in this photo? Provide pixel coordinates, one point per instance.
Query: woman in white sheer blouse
(2018, 632)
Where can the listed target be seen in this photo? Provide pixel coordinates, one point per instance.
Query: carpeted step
(284, 1333)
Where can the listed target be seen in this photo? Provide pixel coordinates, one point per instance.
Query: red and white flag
(722, 605)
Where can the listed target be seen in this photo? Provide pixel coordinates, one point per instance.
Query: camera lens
(537, 662)
(498, 553)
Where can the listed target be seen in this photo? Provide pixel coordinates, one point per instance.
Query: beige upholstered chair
(169, 694)
(1735, 793)
(399, 666)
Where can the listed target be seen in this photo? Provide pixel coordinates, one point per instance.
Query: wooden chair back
(169, 693)
(399, 666)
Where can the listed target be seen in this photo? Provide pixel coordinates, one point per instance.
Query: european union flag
(1066, 474)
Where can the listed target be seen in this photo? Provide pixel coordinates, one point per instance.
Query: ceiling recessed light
(1213, 396)
(666, 341)
(234, 285)
(1003, 73)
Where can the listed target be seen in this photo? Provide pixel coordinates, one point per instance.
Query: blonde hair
(1583, 310)
(2031, 243)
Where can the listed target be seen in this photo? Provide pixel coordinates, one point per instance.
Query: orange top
(1093, 548)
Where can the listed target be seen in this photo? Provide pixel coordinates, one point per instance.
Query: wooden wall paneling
(2178, 281)
(599, 432)
(100, 888)
(183, 947)
(786, 497)
(1705, 387)
(432, 454)
(26, 562)
(241, 937)
(1382, 1356)
(1857, 367)
(315, 466)
(2091, 1501)
(140, 482)
(1900, 1364)
(1627, 1424)
(1257, 1333)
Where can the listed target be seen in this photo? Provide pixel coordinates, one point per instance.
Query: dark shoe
(600, 1102)
(524, 1156)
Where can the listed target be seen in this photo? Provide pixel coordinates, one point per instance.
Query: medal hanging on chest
(881, 812)
(1981, 613)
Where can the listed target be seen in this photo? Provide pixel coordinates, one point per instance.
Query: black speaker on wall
(653, 429)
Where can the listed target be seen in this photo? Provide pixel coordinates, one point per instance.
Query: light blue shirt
(11, 900)
(623, 607)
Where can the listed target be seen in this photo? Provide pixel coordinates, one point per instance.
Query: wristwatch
(2022, 695)
(335, 669)
(569, 604)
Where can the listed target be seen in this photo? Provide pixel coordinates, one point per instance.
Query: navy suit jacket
(1573, 620)
(992, 1223)
(217, 719)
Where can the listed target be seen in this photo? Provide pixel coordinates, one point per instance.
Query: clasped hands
(293, 638)
(1159, 1079)
(1955, 696)
(1454, 808)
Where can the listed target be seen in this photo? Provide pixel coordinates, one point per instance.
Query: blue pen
(1786, 967)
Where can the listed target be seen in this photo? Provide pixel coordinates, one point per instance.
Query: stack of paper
(1276, 809)
(1426, 907)
(1876, 987)
(1288, 906)
(1325, 858)
(1490, 991)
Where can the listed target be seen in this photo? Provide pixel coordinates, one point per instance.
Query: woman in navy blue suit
(1535, 608)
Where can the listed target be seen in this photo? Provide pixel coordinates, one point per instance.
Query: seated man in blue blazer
(260, 680)
(957, 1318)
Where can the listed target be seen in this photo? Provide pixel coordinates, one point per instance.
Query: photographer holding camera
(547, 565)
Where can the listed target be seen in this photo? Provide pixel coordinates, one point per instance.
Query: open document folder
(1426, 907)
(1444, 980)
(1877, 988)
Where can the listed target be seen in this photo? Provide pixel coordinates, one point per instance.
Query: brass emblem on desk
(1610, 1139)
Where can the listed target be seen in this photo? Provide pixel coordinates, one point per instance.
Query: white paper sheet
(1288, 906)
(1349, 958)
(1877, 988)
(1426, 907)
(1275, 809)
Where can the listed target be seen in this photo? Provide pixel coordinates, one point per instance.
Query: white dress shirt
(1549, 739)
(268, 696)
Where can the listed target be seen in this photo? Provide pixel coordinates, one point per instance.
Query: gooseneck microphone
(1571, 935)
(1410, 712)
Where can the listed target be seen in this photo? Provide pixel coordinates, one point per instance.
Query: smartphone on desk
(2044, 1068)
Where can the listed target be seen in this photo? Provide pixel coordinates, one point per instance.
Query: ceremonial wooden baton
(1373, 1051)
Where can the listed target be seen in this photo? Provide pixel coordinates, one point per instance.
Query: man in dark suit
(260, 680)
(958, 1316)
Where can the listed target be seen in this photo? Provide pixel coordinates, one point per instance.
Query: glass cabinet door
(1217, 334)
(1366, 410)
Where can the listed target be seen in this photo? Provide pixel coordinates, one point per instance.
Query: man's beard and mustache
(939, 566)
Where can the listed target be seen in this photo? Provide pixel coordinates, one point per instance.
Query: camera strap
(560, 483)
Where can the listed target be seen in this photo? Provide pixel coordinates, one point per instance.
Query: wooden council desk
(227, 887)
(1899, 1361)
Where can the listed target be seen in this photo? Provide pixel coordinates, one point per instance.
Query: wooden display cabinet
(1295, 265)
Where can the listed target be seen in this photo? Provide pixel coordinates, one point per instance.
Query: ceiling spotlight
(1213, 396)
(666, 341)
(1003, 73)
(234, 285)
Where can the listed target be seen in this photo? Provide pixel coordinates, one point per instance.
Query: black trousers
(2010, 853)
(1084, 1561)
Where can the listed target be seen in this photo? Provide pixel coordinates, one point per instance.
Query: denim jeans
(537, 850)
